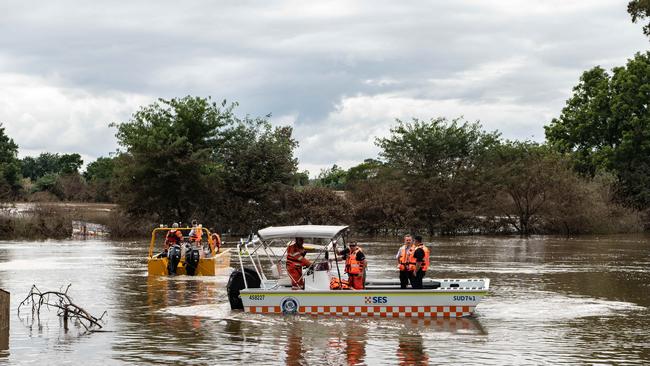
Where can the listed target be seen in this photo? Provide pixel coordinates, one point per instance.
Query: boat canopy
(302, 231)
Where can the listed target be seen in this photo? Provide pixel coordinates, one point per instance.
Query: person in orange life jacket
(295, 261)
(216, 242)
(196, 233)
(421, 256)
(174, 236)
(355, 265)
(405, 262)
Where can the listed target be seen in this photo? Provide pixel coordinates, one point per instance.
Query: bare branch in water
(61, 301)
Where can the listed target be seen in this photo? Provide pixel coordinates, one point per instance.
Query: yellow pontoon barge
(209, 263)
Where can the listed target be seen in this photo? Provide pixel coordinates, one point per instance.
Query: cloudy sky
(339, 72)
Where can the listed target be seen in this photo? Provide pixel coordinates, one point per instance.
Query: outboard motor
(192, 258)
(174, 258)
(236, 284)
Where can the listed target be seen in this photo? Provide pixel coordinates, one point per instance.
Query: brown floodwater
(552, 301)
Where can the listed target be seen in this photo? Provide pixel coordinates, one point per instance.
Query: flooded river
(552, 301)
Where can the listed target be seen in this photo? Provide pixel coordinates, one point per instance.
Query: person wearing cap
(355, 265)
(296, 259)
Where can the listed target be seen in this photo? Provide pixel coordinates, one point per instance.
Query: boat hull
(207, 266)
(385, 304)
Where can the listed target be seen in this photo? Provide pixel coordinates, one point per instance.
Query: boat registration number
(465, 298)
(256, 297)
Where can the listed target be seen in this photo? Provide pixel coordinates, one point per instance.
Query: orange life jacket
(336, 284)
(352, 265)
(197, 233)
(425, 265)
(296, 256)
(406, 261)
(173, 237)
(216, 241)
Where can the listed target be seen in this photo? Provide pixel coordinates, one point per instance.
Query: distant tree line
(192, 158)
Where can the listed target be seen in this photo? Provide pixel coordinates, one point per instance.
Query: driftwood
(61, 301)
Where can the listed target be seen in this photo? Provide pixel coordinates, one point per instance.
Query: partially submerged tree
(438, 162)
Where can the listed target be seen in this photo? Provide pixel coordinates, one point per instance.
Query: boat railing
(251, 248)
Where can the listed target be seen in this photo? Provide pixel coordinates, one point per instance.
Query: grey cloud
(483, 59)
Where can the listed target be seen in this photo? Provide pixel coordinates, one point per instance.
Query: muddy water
(553, 301)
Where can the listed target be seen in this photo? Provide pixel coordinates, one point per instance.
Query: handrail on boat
(241, 263)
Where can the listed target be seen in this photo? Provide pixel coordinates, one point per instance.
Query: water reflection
(581, 301)
(341, 341)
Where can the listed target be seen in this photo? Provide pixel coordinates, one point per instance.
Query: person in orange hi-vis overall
(295, 261)
(355, 266)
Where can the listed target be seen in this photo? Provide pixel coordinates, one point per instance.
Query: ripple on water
(544, 306)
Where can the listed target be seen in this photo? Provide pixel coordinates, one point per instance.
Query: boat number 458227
(256, 297)
(465, 298)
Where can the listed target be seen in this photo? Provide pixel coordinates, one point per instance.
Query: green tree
(439, 162)
(9, 167)
(49, 163)
(70, 163)
(99, 175)
(369, 169)
(606, 124)
(640, 10)
(527, 175)
(334, 178)
(167, 163)
(257, 170)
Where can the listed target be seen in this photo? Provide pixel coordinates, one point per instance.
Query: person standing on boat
(295, 261)
(421, 256)
(405, 262)
(196, 233)
(355, 266)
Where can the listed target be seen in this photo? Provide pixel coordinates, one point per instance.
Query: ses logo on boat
(376, 299)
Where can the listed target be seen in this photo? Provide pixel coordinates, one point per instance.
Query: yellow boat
(208, 263)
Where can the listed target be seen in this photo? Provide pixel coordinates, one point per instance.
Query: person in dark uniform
(421, 257)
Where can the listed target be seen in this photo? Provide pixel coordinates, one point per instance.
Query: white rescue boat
(263, 286)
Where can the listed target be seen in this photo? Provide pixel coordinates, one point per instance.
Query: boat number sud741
(256, 297)
(465, 298)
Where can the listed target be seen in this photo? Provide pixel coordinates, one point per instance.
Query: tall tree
(640, 10)
(439, 161)
(165, 169)
(9, 167)
(606, 124)
(257, 171)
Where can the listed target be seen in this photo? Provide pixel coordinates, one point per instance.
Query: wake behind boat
(265, 288)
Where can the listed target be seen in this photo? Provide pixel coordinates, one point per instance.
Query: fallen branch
(61, 301)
